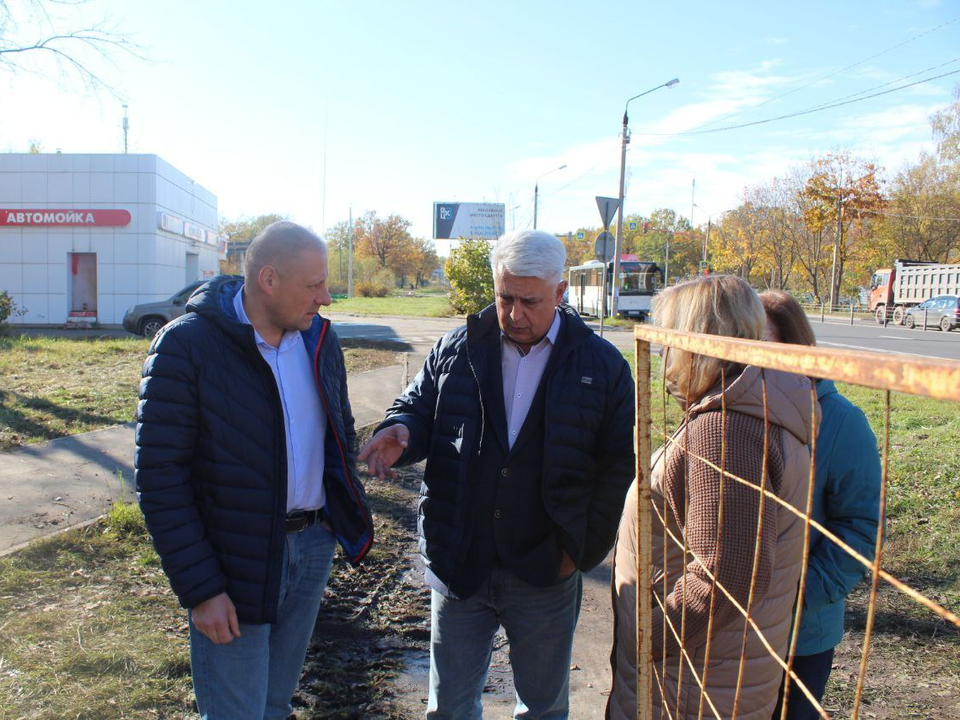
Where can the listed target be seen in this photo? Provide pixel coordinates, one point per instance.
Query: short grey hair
(278, 244)
(530, 253)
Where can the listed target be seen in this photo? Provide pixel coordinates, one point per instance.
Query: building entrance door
(83, 285)
(193, 267)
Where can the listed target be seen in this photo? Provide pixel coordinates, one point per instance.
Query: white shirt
(521, 376)
(304, 421)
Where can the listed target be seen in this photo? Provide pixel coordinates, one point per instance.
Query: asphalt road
(891, 339)
(421, 333)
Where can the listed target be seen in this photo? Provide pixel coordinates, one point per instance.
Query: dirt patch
(373, 618)
(914, 665)
(361, 355)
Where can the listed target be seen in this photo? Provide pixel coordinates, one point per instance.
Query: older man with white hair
(525, 418)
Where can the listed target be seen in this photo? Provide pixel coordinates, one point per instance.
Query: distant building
(236, 254)
(84, 237)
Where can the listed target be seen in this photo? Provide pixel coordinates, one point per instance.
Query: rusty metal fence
(912, 375)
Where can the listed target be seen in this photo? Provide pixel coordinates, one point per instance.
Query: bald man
(245, 470)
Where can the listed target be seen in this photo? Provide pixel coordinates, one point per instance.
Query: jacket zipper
(476, 379)
(343, 455)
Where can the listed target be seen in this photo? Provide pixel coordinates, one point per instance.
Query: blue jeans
(814, 671)
(256, 674)
(539, 623)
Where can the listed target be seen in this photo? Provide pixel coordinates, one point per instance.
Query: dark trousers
(813, 670)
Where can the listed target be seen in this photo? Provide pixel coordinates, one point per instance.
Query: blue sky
(416, 102)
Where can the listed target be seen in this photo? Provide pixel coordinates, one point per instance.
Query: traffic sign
(581, 235)
(608, 208)
(633, 226)
(603, 248)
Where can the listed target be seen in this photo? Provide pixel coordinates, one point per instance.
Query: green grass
(61, 386)
(90, 628)
(432, 305)
(53, 387)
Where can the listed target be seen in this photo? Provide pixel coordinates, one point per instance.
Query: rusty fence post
(644, 412)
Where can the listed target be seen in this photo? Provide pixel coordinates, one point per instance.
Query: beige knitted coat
(689, 490)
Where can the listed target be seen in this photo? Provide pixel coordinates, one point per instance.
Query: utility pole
(126, 128)
(706, 244)
(350, 259)
(666, 258)
(624, 141)
(536, 195)
(834, 280)
(693, 192)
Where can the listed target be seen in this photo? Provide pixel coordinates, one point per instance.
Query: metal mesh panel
(917, 376)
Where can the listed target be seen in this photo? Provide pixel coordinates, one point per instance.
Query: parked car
(147, 318)
(942, 311)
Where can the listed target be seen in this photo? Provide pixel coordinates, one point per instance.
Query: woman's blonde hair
(715, 305)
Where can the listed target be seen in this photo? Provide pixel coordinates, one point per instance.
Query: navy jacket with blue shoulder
(211, 466)
(588, 440)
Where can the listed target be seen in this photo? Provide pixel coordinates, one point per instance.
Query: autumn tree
(238, 232)
(416, 259)
(843, 196)
(921, 218)
(735, 244)
(338, 254)
(384, 239)
(579, 251)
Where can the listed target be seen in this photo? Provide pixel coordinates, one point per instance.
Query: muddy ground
(370, 653)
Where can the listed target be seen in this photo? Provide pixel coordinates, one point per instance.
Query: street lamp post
(706, 239)
(536, 193)
(625, 138)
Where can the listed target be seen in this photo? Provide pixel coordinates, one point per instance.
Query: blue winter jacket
(846, 500)
(211, 466)
(588, 453)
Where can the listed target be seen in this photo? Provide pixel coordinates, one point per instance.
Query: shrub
(8, 309)
(371, 289)
(470, 275)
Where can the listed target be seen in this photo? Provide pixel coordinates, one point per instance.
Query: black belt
(300, 520)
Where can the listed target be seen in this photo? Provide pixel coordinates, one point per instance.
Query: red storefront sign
(63, 218)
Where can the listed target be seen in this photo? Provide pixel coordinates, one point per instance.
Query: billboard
(467, 220)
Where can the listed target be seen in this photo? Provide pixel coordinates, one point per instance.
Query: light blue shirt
(521, 376)
(304, 420)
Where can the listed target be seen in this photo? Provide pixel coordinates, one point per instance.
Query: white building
(84, 237)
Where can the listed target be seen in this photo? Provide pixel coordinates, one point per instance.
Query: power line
(831, 75)
(891, 82)
(808, 111)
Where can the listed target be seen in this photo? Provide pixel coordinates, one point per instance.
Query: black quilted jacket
(210, 460)
(589, 457)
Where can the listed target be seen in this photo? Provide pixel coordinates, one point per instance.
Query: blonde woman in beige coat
(686, 492)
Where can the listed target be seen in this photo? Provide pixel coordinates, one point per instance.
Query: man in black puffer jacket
(245, 470)
(526, 419)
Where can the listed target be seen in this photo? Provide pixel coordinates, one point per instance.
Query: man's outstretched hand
(384, 449)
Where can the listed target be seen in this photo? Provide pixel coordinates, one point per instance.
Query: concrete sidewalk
(70, 481)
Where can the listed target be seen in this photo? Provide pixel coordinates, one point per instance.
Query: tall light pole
(625, 138)
(706, 239)
(536, 193)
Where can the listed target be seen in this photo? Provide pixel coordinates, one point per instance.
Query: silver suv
(147, 318)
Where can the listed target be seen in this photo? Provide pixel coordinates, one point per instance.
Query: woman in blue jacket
(846, 501)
